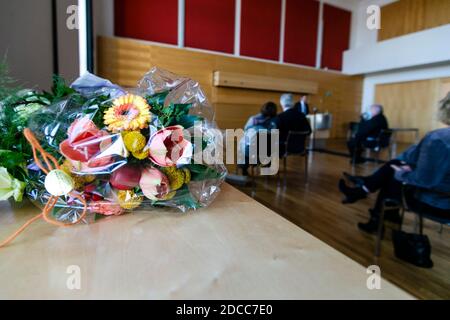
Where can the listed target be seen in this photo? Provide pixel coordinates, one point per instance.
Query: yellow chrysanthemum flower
(79, 180)
(128, 199)
(134, 141)
(187, 175)
(129, 112)
(177, 177)
(141, 155)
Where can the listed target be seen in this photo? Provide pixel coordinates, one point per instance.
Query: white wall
(418, 56)
(103, 17)
(67, 43)
(412, 50)
(361, 35)
(25, 36)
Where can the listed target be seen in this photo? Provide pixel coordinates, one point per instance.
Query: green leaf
(200, 172)
(183, 197)
(157, 100)
(60, 89)
(10, 159)
(188, 121)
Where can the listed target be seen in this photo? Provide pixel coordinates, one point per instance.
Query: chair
(378, 144)
(403, 206)
(258, 164)
(352, 129)
(295, 145)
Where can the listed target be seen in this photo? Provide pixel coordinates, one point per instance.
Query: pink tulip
(168, 147)
(126, 177)
(84, 145)
(154, 184)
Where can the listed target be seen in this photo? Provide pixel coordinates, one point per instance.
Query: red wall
(147, 20)
(336, 36)
(300, 41)
(210, 25)
(260, 28)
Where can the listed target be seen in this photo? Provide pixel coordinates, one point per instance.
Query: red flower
(84, 142)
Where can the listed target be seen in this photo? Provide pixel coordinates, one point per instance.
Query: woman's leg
(379, 179)
(391, 189)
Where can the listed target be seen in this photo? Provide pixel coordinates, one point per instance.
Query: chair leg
(421, 225)
(402, 216)
(252, 170)
(416, 223)
(379, 232)
(284, 164)
(306, 166)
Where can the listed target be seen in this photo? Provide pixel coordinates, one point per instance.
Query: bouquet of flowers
(96, 149)
(16, 107)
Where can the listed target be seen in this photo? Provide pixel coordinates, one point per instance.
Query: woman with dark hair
(425, 167)
(265, 120)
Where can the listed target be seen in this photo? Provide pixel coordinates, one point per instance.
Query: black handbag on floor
(412, 248)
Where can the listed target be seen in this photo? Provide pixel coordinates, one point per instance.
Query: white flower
(10, 187)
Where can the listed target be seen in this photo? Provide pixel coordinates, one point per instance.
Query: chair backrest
(353, 128)
(384, 138)
(427, 215)
(295, 142)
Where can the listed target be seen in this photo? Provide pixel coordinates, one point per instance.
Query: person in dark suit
(292, 119)
(424, 167)
(303, 105)
(368, 130)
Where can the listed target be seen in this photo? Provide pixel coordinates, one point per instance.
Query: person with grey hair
(368, 130)
(424, 167)
(287, 101)
(291, 119)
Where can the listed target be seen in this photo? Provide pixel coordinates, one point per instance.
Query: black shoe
(358, 160)
(370, 227)
(356, 180)
(351, 194)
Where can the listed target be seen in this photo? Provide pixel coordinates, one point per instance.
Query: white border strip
(237, 28)
(82, 36)
(282, 30)
(181, 22)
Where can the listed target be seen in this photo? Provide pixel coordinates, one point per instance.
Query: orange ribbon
(50, 164)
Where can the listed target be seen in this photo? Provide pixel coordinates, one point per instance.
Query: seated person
(303, 105)
(368, 130)
(425, 167)
(265, 120)
(291, 119)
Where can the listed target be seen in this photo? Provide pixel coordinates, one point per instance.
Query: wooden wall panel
(412, 104)
(124, 61)
(408, 16)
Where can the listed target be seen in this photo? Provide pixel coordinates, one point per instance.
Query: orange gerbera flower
(129, 112)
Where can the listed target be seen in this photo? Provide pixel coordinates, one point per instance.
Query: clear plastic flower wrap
(123, 150)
